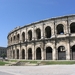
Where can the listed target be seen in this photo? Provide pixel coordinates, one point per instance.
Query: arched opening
(38, 53)
(11, 39)
(17, 54)
(61, 53)
(23, 54)
(48, 53)
(73, 53)
(18, 37)
(30, 54)
(48, 32)
(60, 29)
(38, 33)
(23, 37)
(72, 27)
(14, 38)
(30, 35)
(13, 54)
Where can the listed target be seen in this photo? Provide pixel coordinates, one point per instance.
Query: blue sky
(15, 13)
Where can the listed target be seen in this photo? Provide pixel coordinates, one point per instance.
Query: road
(38, 70)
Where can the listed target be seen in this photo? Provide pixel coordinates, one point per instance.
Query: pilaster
(33, 57)
(68, 52)
(20, 54)
(54, 54)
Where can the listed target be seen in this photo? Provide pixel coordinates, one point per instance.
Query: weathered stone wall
(35, 42)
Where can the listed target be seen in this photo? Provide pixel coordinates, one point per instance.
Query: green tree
(3, 55)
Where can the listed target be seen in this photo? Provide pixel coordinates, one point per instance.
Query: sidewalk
(39, 70)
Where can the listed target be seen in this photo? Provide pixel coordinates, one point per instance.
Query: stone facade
(51, 39)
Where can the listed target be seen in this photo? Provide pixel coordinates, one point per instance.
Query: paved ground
(38, 70)
(4, 73)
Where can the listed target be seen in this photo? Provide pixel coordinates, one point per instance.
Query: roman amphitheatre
(50, 39)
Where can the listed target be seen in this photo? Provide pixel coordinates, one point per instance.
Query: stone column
(54, 54)
(9, 40)
(33, 57)
(12, 54)
(25, 35)
(20, 38)
(42, 32)
(15, 54)
(16, 38)
(26, 56)
(42, 54)
(8, 53)
(12, 39)
(33, 33)
(68, 52)
(68, 41)
(35, 53)
(20, 54)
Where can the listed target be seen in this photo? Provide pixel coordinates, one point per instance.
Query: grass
(2, 63)
(57, 62)
(50, 62)
(47, 62)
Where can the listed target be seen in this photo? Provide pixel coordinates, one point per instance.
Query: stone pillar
(27, 35)
(20, 54)
(33, 33)
(26, 56)
(16, 38)
(20, 38)
(54, 54)
(12, 54)
(42, 54)
(53, 31)
(15, 54)
(24, 53)
(42, 32)
(68, 52)
(12, 39)
(9, 40)
(35, 53)
(33, 57)
(8, 53)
